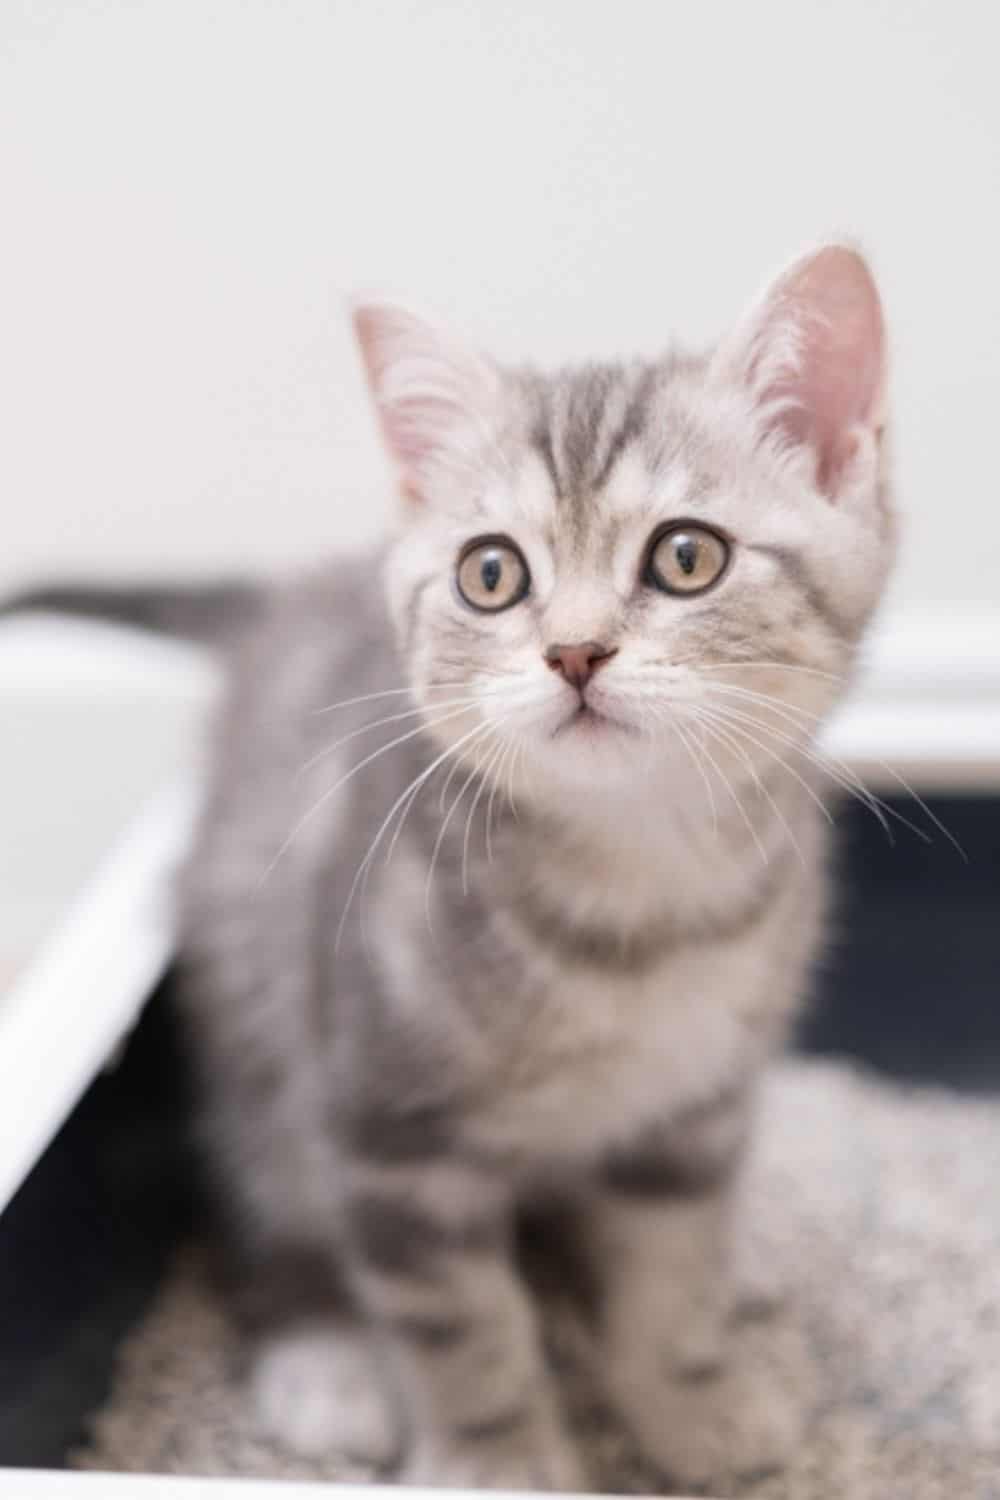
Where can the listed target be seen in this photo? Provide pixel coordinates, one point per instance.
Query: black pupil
(491, 572)
(686, 553)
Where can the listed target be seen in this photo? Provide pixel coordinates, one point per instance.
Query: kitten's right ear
(434, 398)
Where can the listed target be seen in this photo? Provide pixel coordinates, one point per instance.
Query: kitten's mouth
(591, 721)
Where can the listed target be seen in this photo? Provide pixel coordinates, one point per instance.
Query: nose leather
(578, 663)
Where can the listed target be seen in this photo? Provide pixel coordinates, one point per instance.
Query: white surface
(97, 791)
(189, 190)
(95, 719)
(59, 1485)
(72, 1004)
(926, 706)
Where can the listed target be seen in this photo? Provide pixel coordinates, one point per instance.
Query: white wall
(188, 190)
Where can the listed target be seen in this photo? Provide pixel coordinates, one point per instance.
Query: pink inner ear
(430, 393)
(833, 382)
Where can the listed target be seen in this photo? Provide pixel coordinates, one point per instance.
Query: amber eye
(686, 559)
(492, 575)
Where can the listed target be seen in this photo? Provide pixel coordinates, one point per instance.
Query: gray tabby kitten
(511, 872)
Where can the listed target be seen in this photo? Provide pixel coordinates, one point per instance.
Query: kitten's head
(613, 565)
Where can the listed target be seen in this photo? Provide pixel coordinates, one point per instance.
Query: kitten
(511, 872)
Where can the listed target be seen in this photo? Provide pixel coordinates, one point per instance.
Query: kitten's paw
(711, 1427)
(317, 1391)
(540, 1462)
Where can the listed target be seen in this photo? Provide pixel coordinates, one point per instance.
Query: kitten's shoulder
(327, 623)
(318, 639)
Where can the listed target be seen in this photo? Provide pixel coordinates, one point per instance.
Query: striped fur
(559, 965)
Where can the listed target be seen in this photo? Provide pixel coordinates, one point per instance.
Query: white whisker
(413, 691)
(723, 716)
(415, 788)
(410, 713)
(331, 791)
(494, 754)
(781, 666)
(447, 783)
(785, 711)
(691, 749)
(418, 781)
(901, 780)
(489, 812)
(790, 711)
(497, 782)
(839, 772)
(844, 778)
(727, 737)
(510, 779)
(444, 829)
(729, 788)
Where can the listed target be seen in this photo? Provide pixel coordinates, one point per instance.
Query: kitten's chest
(563, 1040)
(604, 1057)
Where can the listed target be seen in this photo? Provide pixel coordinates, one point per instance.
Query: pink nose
(579, 663)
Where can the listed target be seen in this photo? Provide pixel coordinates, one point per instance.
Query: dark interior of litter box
(909, 987)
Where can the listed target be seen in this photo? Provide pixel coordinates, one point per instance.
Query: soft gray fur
(551, 976)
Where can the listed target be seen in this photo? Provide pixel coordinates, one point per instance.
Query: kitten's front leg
(434, 1268)
(661, 1219)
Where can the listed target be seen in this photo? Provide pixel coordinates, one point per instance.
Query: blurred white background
(190, 190)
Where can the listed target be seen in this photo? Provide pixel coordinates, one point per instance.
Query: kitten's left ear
(436, 400)
(812, 352)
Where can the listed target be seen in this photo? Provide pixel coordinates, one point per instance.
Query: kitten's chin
(593, 747)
